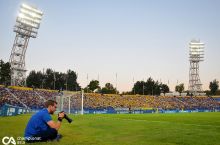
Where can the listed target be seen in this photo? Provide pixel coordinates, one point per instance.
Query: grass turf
(129, 129)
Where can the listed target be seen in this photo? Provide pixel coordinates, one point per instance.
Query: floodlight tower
(196, 54)
(27, 24)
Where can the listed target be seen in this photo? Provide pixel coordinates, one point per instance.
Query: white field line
(165, 122)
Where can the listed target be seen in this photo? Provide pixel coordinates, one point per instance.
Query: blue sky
(133, 38)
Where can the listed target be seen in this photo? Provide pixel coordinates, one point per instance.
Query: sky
(135, 39)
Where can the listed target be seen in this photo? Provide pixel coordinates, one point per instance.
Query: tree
(53, 80)
(72, 84)
(213, 86)
(5, 73)
(34, 79)
(127, 93)
(138, 87)
(60, 80)
(164, 89)
(93, 85)
(49, 79)
(156, 88)
(149, 86)
(180, 88)
(108, 89)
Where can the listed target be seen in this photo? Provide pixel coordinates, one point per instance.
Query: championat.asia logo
(8, 140)
(11, 140)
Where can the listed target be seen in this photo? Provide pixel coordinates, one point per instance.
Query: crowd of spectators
(34, 98)
(182, 103)
(98, 101)
(6, 98)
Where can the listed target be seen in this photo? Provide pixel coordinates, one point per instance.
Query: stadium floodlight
(29, 16)
(196, 54)
(27, 23)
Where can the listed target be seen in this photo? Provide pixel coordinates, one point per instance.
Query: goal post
(82, 96)
(70, 102)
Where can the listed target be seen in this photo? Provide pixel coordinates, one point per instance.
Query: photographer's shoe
(59, 136)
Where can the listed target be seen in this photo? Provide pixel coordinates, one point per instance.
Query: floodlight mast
(27, 24)
(196, 54)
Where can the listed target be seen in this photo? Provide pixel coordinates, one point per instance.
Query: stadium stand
(34, 99)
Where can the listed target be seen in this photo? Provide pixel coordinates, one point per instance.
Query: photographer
(41, 127)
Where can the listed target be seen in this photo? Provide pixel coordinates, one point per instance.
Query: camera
(66, 117)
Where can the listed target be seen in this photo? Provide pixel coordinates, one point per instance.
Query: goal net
(70, 102)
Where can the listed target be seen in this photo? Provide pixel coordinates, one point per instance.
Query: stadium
(147, 112)
(117, 119)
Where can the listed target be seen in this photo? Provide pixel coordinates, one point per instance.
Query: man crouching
(41, 127)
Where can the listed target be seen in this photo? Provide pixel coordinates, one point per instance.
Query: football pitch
(128, 129)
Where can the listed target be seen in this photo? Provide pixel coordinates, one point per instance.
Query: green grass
(129, 129)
